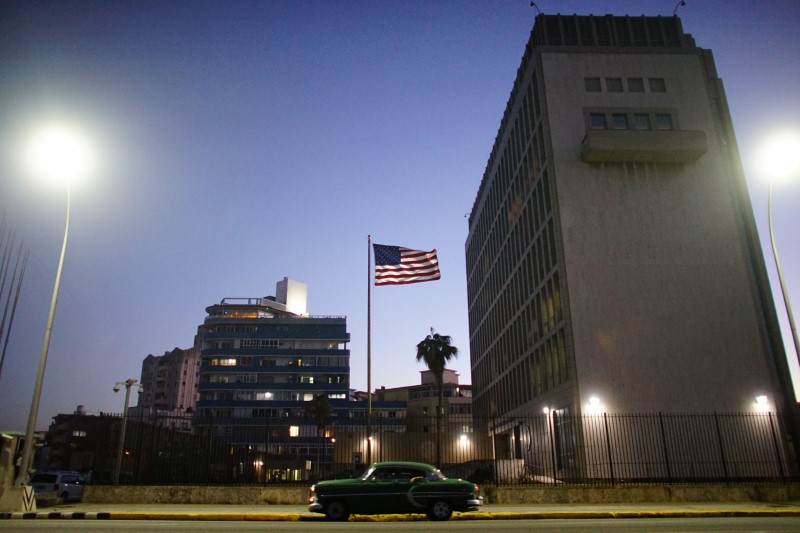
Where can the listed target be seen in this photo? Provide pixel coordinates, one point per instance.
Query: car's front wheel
(440, 511)
(337, 511)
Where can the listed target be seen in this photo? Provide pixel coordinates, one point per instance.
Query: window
(636, 85)
(619, 121)
(230, 361)
(592, 85)
(294, 431)
(657, 85)
(663, 121)
(597, 121)
(614, 85)
(641, 121)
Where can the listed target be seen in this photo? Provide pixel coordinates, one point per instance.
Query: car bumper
(474, 504)
(315, 507)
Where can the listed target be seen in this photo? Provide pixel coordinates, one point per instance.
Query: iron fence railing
(546, 449)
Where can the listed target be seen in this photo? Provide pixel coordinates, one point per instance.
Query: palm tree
(319, 409)
(435, 351)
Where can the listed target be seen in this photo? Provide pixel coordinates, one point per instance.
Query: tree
(319, 409)
(435, 351)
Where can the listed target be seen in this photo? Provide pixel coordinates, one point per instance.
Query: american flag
(395, 265)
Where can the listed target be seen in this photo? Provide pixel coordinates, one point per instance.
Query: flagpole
(369, 350)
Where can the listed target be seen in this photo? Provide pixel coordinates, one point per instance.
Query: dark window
(619, 121)
(663, 121)
(657, 85)
(614, 85)
(592, 85)
(641, 121)
(636, 85)
(598, 121)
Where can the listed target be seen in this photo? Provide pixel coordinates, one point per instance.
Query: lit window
(78, 433)
(598, 121)
(619, 121)
(641, 121)
(294, 431)
(592, 85)
(614, 85)
(657, 85)
(663, 121)
(636, 85)
(230, 361)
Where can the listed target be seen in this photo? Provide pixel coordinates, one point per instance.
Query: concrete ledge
(642, 494)
(535, 494)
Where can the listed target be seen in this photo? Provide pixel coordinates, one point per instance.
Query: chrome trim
(315, 507)
(479, 501)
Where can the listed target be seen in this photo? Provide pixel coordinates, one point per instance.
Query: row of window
(619, 85)
(627, 121)
(312, 360)
(257, 377)
(254, 395)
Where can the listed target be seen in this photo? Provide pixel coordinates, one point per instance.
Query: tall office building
(612, 256)
(263, 361)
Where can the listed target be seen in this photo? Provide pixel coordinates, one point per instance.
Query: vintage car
(396, 487)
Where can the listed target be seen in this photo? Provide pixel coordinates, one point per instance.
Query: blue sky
(242, 142)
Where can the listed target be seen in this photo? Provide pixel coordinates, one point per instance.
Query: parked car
(395, 487)
(67, 484)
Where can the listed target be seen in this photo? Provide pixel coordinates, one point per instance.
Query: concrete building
(613, 263)
(263, 361)
(169, 382)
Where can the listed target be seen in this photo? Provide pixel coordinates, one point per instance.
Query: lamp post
(128, 383)
(780, 158)
(56, 154)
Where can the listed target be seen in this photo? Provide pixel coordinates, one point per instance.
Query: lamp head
(116, 388)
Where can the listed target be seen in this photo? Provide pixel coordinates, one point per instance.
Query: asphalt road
(728, 525)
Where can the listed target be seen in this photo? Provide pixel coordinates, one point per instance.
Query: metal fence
(546, 449)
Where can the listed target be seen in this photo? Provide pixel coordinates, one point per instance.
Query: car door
(381, 491)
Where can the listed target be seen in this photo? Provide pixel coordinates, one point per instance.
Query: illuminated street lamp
(56, 154)
(128, 383)
(780, 160)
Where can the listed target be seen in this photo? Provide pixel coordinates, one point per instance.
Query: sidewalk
(487, 512)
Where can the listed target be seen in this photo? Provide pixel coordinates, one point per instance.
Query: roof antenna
(533, 5)
(679, 4)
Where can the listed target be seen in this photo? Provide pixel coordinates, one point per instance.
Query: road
(728, 525)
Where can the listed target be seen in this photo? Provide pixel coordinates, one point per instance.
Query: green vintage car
(396, 487)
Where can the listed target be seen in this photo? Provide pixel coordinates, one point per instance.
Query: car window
(437, 475)
(43, 478)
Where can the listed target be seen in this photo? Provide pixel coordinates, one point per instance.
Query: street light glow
(59, 154)
(779, 156)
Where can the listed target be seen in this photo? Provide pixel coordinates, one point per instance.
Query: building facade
(263, 362)
(169, 383)
(613, 263)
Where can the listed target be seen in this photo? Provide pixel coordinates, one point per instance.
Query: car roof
(423, 466)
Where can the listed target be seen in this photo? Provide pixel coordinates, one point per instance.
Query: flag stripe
(395, 265)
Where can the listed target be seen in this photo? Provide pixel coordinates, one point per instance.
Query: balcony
(646, 146)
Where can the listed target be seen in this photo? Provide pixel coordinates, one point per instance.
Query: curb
(288, 517)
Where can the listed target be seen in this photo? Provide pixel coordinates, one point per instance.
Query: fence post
(777, 448)
(608, 448)
(552, 424)
(664, 445)
(721, 447)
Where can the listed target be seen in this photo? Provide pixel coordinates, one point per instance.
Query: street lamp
(128, 383)
(56, 154)
(780, 159)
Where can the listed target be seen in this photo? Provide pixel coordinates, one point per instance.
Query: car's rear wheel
(440, 510)
(337, 511)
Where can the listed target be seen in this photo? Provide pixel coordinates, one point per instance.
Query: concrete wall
(298, 495)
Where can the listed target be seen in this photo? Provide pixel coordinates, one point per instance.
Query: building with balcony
(169, 384)
(263, 362)
(613, 263)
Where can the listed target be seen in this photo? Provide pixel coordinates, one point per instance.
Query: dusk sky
(242, 142)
